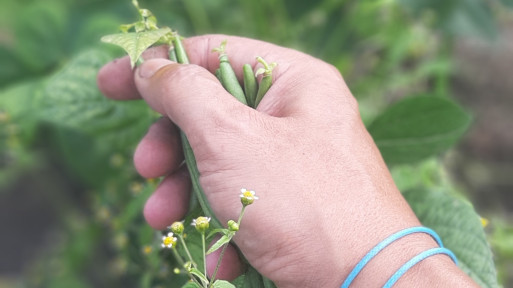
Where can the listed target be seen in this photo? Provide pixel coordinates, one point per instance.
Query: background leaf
(461, 231)
(418, 127)
(90, 129)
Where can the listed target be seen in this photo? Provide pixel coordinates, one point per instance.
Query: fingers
(170, 200)
(189, 95)
(159, 153)
(116, 79)
(230, 266)
(240, 51)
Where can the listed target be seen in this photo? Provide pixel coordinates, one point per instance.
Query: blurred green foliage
(51, 113)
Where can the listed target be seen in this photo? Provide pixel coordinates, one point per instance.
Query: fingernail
(148, 68)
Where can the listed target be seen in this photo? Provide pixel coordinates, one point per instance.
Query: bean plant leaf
(135, 43)
(225, 239)
(418, 127)
(253, 279)
(223, 284)
(71, 99)
(460, 229)
(89, 128)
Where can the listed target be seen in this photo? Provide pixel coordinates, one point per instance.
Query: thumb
(188, 94)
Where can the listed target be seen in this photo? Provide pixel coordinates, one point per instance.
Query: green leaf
(239, 281)
(458, 17)
(507, 3)
(223, 231)
(71, 99)
(223, 284)
(418, 127)
(89, 128)
(199, 274)
(460, 229)
(225, 239)
(136, 43)
(253, 279)
(191, 284)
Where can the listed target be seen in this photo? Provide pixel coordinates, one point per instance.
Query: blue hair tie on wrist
(374, 251)
(417, 259)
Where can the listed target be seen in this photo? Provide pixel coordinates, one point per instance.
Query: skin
(326, 196)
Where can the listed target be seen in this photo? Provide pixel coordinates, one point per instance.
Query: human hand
(326, 196)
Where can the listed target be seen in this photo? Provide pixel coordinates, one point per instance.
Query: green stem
(241, 214)
(187, 250)
(182, 264)
(212, 280)
(203, 253)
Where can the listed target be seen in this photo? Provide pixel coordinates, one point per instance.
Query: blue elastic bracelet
(384, 244)
(416, 260)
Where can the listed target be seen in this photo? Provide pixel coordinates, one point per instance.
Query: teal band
(400, 272)
(385, 243)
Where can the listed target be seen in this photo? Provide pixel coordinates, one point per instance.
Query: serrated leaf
(418, 127)
(223, 284)
(225, 239)
(89, 128)
(135, 43)
(71, 99)
(460, 229)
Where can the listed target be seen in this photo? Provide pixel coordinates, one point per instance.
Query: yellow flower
(147, 249)
(168, 241)
(484, 222)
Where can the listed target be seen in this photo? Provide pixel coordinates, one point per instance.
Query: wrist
(436, 270)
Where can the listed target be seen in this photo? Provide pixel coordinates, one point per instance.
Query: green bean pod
(264, 86)
(218, 75)
(172, 54)
(181, 55)
(190, 160)
(230, 81)
(266, 81)
(228, 77)
(250, 85)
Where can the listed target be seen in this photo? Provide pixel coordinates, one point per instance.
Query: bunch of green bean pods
(251, 95)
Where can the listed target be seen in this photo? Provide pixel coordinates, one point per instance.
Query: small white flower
(247, 197)
(168, 241)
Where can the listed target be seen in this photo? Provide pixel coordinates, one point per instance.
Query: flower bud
(177, 228)
(201, 223)
(233, 226)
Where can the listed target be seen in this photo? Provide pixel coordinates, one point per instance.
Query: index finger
(116, 80)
